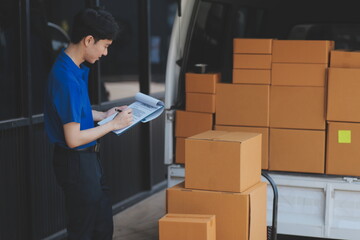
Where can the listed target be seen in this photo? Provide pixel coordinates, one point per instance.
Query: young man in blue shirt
(69, 123)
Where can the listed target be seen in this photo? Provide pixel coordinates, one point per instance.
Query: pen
(119, 111)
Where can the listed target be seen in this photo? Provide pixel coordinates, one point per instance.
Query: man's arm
(75, 137)
(98, 116)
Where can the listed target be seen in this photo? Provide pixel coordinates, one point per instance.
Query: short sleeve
(67, 100)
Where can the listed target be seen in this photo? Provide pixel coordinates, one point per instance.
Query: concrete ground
(140, 222)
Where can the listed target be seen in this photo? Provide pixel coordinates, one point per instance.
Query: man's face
(94, 51)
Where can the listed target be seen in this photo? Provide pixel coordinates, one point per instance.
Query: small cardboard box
(302, 51)
(345, 59)
(180, 150)
(242, 105)
(343, 95)
(191, 123)
(343, 152)
(239, 216)
(298, 74)
(252, 76)
(265, 140)
(200, 102)
(297, 107)
(201, 83)
(187, 227)
(223, 161)
(297, 150)
(251, 45)
(252, 61)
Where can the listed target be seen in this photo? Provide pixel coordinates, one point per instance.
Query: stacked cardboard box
(223, 172)
(187, 227)
(244, 104)
(297, 105)
(200, 92)
(252, 61)
(343, 114)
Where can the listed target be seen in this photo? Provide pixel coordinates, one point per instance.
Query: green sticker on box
(344, 136)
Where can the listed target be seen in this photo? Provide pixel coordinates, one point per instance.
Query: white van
(313, 205)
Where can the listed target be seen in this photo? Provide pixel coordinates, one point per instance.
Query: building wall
(31, 202)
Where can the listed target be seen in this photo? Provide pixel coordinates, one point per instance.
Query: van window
(346, 36)
(215, 26)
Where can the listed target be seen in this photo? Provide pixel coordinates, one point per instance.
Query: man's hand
(111, 111)
(123, 119)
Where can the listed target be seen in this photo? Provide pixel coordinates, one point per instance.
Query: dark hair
(98, 23)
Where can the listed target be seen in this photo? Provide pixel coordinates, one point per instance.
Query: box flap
(238, 136)
(208, 135)
(200, 218)
(215, 135)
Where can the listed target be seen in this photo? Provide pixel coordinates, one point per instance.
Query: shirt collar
(81, 72)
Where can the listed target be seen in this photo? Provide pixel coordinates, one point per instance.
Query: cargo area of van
(287, 71)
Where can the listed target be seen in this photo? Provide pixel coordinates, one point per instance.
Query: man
(69, 123)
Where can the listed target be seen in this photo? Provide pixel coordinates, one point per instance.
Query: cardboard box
(187, 227)
(297, 150)
(298, 74)
(242, 105)
(180, 150)
(302, 51)
(223, 161)
(342, 151)
(345, 59)
(297, 107)
(191, 123)
(251, 45)
(201, 83)
(264, 136)
(343, 95)
(200, 102)
(252, 76)
(239, 216)
(252, 61)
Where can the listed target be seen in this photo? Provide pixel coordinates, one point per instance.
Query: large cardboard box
(264, 144)
(239, 216)
(297, 107)
(345, 59)
(343, 151)
(252, 61)
(301, 51)
(191, 123)
(343, 95)
(297, 150)
(252, 76)
(298, 74)
(180, 150)
(200, 102)
(223, 161)
(201, 83)
(187, 227)
(251, 45)
(242, 105)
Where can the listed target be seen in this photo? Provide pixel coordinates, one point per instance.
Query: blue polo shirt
(67, 99)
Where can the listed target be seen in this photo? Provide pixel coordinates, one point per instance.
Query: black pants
(87, 199)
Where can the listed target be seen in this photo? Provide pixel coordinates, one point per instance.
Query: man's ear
(88, 40)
